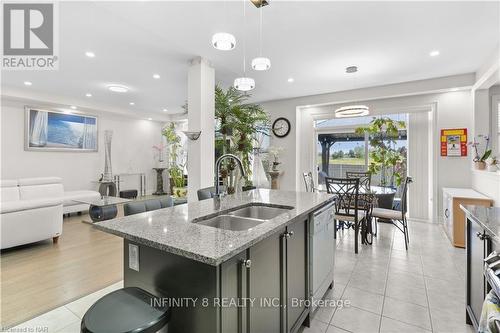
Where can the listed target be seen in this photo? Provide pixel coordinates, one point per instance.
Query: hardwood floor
(42, 276)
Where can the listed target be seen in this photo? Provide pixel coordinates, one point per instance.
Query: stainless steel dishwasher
(322, 251)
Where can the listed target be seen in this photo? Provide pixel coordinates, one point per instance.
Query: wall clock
(281, 127)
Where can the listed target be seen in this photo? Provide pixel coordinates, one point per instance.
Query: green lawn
(349, 161)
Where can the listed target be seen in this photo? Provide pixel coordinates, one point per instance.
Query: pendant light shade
(223, 41)
(352, 111)
(261, 64)
(244, 83)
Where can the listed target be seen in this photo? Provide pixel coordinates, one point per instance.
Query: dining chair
(365, 179)
(346, 191)
(397, 217)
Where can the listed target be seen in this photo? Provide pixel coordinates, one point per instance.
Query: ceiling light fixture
(165, 110)
(28, 83)
(352, 111)
(290, 80)
(261, 63)
(90, 54)
(150, 118)
(434, 53)
(131, 103)
(260, 3)
(118, 88)
(156, 76)
(244, 83)
(88, 95)
(73, 107)
(223, 41)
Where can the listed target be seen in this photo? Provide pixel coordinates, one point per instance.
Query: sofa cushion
(30, 192)
(39, 181)
(9, 191)
(70, 196)
(15, 206)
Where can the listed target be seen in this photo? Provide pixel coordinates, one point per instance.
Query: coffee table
(103, 208)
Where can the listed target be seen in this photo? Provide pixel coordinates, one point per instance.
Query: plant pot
(480, 165)
(179, 192)
(171, 185)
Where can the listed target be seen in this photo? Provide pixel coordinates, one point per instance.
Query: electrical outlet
(133, 257)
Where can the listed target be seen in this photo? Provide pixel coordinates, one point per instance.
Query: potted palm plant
(238, 124)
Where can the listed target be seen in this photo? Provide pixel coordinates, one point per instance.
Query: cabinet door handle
(447, 213)
(246, 263)
(288, 234)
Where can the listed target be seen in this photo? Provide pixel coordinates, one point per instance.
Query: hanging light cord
(244, 39)
(260, 31)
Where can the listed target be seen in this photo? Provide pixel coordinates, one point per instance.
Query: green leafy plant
(238, 123)
(384, 155)
(176, 169)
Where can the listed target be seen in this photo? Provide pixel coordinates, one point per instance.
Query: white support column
(201, 117)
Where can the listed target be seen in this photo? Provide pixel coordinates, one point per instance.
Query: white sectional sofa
(32, 209)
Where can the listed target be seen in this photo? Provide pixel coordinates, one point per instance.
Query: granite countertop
(488, 218)
(172, 230)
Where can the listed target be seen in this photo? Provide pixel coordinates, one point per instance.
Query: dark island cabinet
(266, 284)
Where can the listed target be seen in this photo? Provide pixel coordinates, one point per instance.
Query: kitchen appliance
(322, 252)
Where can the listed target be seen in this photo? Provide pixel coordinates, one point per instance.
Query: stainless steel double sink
(243, 218)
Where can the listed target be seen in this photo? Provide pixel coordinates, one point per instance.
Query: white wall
(487, 77)
(453, 109)
(131, 150)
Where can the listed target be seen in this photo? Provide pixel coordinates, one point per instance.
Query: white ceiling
(312, 42)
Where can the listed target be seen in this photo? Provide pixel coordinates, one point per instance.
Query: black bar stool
(127, 310)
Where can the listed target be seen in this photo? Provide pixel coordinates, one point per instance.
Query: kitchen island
(238, 265)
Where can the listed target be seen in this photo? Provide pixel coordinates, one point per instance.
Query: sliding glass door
(341, 149)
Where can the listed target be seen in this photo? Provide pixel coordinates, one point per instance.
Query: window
(341, 149)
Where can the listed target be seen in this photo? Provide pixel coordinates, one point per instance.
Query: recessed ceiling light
(73, 107)
(165, 110)
(434, 53)
(131, 103)
(90, 54)
(118, 88)
(27, 83)
(351, 69)
(88, 94)
(290, 79)
(156, 76)
(150, 118)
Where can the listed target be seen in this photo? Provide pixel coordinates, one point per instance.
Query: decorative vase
(179, 192)
(480, 165)
(108, 173)
(259, 178)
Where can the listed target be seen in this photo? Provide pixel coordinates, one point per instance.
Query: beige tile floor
(393, 290)
(384, 288)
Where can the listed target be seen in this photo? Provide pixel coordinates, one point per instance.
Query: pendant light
(244, 83)
(261, 63)
(351, 111)
(224, 41)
